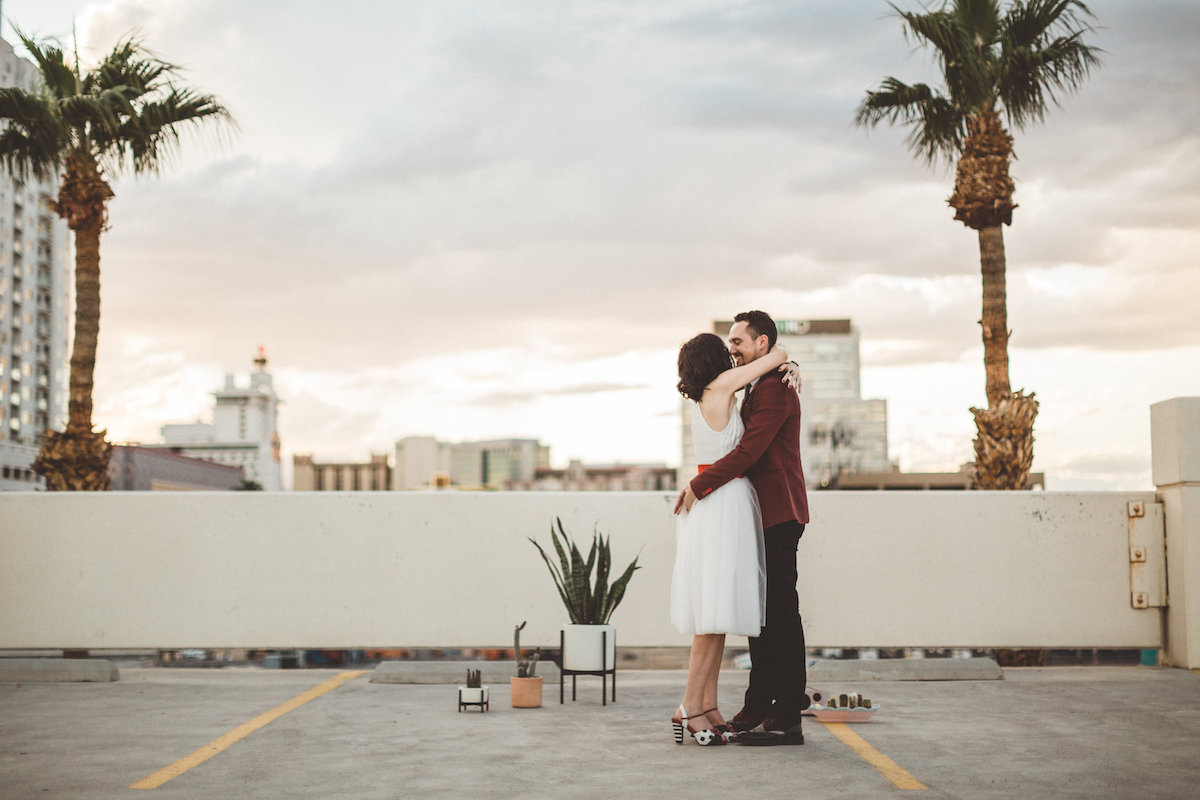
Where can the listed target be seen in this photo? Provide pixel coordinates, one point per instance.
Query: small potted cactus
(474, 693)
(525, 685)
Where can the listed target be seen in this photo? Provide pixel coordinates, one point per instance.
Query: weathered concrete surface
(1066, 732)
(57, 670)
(892, 669)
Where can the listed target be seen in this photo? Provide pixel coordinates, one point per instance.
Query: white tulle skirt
(719, 580)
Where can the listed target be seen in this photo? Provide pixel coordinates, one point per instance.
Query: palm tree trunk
(994, 319)
(77, 459)
(1004, 439)
(87, 327)
(982, 200)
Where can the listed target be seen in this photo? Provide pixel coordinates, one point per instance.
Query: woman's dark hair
(701, 360)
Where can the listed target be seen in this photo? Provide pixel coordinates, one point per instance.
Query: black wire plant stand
(603, 673)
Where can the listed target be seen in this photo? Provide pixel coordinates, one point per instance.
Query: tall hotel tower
(243, 431)
(34, 307)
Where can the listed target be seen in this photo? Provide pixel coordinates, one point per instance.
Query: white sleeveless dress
(719, 581)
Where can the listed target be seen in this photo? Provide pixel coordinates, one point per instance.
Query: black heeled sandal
(723, 729)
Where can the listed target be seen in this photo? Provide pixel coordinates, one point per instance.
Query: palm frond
(1018, 60)
(92, 113)
(1033, 77)
(23, 156)
(938, 29)
(59, 77)
(150, 134)
(1043, 55)
(127, 112)
(936, 126)
(131, 65)
(33, 141)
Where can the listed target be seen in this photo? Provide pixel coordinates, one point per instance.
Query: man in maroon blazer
(769, 455)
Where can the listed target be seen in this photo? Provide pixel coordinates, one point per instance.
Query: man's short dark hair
(758, 323)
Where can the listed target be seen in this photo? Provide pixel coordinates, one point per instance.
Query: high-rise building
(423, 462)
(243, 431)
(34, 306)
(840, 432)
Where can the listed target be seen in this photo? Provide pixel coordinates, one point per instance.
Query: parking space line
(157, 779)
(899, 777)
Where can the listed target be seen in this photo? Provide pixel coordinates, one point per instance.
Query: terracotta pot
(526, 692)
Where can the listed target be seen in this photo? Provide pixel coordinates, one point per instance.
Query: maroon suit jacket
(768, 454)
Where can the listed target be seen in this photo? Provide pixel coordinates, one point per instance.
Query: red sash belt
(701, 467)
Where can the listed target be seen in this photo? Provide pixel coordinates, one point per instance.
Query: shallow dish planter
(827, 714)
(526, 692)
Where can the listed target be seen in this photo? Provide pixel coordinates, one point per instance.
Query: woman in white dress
(718, 584)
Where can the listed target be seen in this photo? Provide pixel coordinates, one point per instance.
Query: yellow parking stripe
(888, 768)
(209, 750)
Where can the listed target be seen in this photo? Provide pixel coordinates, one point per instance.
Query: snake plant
(589, 600)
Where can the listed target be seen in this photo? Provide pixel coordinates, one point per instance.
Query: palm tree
(126, 113)
(1017, 60)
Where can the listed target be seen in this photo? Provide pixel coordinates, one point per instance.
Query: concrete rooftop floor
(1059, 732)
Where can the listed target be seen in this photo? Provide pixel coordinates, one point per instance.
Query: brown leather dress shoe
(774, 732)
(746, 720)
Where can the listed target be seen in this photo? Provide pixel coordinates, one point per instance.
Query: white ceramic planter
(473, 694)
(473, 697)
(582, 648)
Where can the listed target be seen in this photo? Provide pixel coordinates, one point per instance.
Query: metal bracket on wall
(1147, 555)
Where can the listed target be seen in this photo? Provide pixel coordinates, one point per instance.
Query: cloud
(566, 184)
(501, 399)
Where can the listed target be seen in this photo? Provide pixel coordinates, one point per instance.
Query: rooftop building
(146, 469)
(423, 462)
(309, 475)
(243, 432)
(580, 477)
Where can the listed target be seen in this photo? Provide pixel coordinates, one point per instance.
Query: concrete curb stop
(454, 672)
(905, 669)
(57, 670)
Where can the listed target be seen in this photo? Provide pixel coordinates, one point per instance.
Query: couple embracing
(740, 521)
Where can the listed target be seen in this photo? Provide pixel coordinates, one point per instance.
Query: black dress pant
(778, 667)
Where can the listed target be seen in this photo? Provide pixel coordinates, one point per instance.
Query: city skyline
(467, 221)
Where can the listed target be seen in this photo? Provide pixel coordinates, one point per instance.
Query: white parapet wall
(409, 569)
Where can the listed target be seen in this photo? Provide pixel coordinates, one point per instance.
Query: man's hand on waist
(686, 499)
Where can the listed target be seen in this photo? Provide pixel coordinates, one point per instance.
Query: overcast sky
(482, 219)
